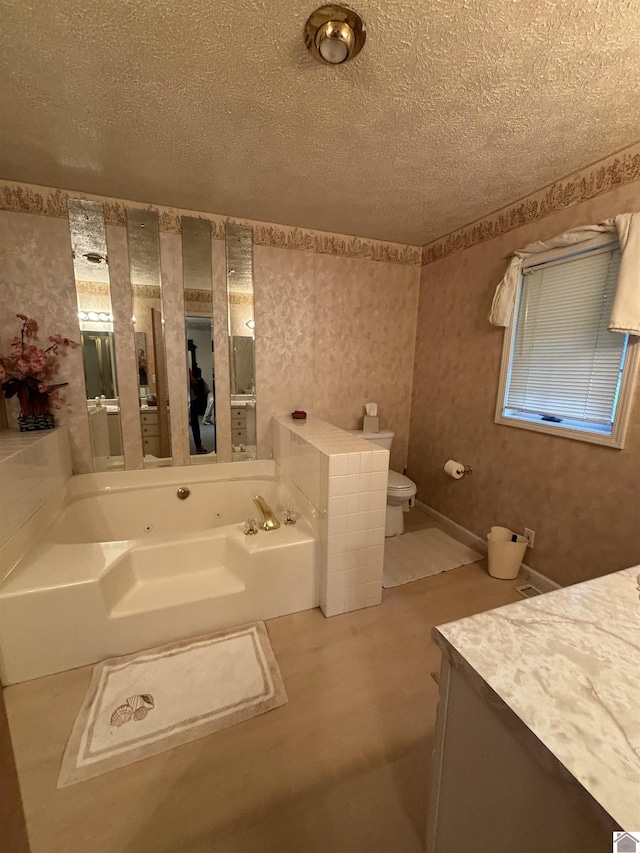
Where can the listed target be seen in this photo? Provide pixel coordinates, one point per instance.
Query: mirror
(99, 364)
(200, 356)
(239, 268)
(141, 354)
(201, 302)
(243, 382)
(143, 239)
(93, 294)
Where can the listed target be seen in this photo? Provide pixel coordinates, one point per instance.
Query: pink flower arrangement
(27, 368)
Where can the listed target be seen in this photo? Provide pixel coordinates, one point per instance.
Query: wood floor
(342, 768)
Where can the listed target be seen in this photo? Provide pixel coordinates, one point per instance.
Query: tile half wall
(32, 467)
(344, 478)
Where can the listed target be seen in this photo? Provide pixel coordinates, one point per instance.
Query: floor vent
(528, 591)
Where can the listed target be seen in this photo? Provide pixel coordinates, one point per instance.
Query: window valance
(625, 312)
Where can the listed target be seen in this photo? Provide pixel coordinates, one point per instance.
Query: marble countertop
(568, 665)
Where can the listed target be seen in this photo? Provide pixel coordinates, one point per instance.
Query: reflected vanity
(93, 293)
(239, 268)
(143, 240)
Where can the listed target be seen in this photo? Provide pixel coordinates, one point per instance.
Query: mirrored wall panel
(143, 240)
(239, 263)
(200, 355)
(93, 292)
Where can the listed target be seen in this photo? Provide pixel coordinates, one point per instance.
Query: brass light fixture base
(334, 34)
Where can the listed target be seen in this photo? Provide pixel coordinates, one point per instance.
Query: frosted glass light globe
(333, 50)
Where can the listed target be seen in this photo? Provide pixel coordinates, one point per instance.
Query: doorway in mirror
(202, 406)
(200, 356)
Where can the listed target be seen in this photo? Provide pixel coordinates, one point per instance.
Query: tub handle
(183, 493)
(250, 527)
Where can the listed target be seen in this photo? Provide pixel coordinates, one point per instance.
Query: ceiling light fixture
(334, 34)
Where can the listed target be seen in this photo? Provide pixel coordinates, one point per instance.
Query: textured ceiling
(454, 108)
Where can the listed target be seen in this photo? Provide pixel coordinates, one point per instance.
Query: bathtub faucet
(269, 521)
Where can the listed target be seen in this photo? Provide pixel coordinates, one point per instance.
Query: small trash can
(505, 553)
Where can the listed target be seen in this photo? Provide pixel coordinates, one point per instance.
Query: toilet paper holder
(456, 469)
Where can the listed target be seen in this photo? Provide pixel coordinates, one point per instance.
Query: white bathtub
(116, 562)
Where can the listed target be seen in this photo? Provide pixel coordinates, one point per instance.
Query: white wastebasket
(505, 555)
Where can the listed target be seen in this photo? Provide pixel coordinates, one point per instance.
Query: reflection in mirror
(99, 364)
(198, 307)
(143, 239)
(93, 293)
(239, 254)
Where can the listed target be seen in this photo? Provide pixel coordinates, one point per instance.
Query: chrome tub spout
(269, 521)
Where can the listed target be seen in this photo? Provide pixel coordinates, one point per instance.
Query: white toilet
(400, 489)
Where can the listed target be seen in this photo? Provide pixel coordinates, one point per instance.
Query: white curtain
(625, 313)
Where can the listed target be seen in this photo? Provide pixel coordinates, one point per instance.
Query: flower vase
(35, 411)
(30, 423)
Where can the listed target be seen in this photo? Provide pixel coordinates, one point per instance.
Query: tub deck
(183, 570)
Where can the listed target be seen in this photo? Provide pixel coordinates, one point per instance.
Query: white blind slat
(565, 362)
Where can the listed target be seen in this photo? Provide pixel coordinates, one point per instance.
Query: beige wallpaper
(48, 201)
(582, 500)
(331, 334)
(36, 278)
(176, 344)
(221, 351)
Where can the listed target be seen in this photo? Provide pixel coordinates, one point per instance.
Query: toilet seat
(400, 486)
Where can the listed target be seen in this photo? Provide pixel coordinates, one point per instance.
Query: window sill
(615, 441)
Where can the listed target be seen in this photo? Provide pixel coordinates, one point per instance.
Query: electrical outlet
(530, 535)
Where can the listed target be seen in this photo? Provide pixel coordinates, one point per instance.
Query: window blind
(565, 363)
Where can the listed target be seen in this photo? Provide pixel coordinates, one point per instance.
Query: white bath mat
(426, 552)
(143, 704)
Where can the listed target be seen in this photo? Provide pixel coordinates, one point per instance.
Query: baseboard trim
(542, 582)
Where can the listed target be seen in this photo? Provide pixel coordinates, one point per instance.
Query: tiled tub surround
(115, 562)
(32, 467)
(560, 671)
(345, 479)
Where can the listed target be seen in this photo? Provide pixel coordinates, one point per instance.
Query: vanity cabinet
(150, 427)
(150, 433)
(528, 754)
(115, 439)
(238, 424)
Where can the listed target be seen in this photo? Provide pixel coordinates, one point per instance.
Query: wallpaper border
(47, 201)
(614, 171)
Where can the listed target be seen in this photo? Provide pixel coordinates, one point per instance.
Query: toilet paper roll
(454, 469)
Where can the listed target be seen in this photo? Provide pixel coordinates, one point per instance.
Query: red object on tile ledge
(299, 415)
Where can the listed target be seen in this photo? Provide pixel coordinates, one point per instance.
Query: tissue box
(371, 424)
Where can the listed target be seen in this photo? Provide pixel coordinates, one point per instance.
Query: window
(563, 371)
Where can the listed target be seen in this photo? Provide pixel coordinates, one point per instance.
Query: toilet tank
(384, 438)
